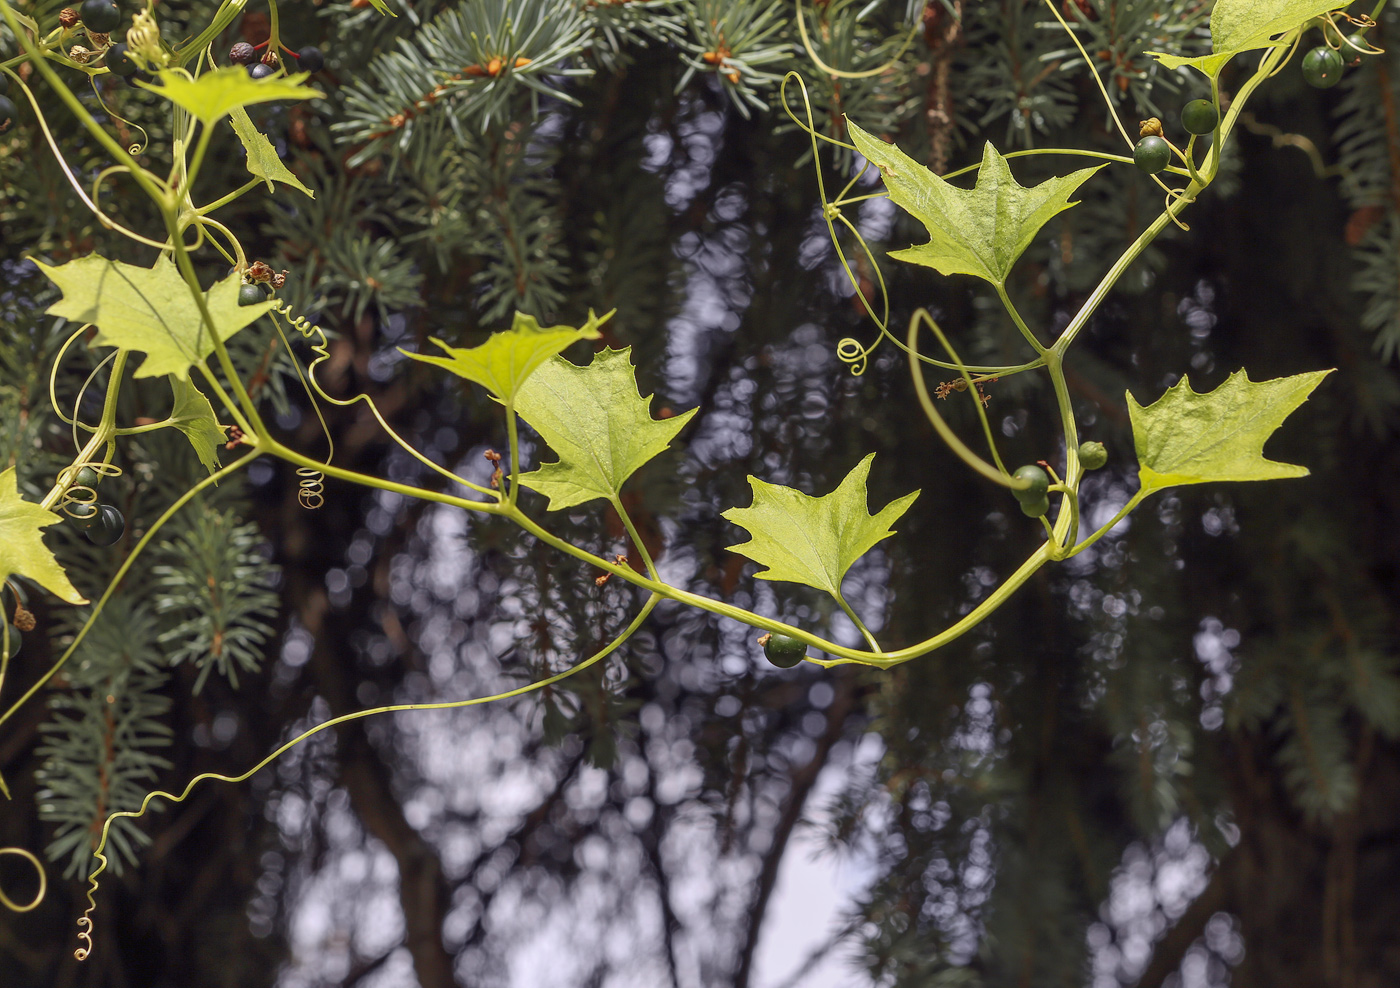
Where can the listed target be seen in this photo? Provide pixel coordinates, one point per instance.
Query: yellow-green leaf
(814, 540)
(506, 359)
(263, 160)
(1238, 26)
(597, 421)
(218, 91)
(22, 549)
(979, 231)
(194, 416)
(148, 309)
(1189, 438)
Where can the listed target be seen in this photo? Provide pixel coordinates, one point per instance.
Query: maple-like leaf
(263, 160)
(22, 549)
(597, 421)
(814, 540)
(194, 416)
(214, 93)
(1238, 26)
(506, 359)
(979, 231)
(148, 309)
(1189, 438)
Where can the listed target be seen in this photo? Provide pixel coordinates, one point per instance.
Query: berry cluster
(309, 59)
(103, 524)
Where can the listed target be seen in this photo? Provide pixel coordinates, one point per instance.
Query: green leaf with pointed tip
(218, 91)
(194, 416)
(979, 231)
(1189, 438)
(814, 540)
(505, 360)
(1238, 26)
(148, 309)
(263, 160)
(22, 549)
(597, 421)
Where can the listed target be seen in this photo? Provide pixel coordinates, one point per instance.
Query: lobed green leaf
(22, 549)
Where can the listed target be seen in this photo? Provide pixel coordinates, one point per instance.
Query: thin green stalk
(1036, 345)
(635, 537)
(242, 190)
(274, 448)
(1123, 512)
(855, 619)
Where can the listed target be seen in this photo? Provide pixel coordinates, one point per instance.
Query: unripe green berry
(1199, 116)
(1039, 483)
(783, 651)
(1322, 67)
(1092, 455)
(88, 477)
(1151, 154)
(251, 294)
(1036, 508)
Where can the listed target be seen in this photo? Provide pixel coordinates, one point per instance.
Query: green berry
(118, 61)
(88, 477)
(1322, 67)
(82, 513)
(108, 526)
(1356, 48)
(1036, 508)
(1039, 483)
(16, 640)
(1151, 154)
(782, 651)
(101, 16)
(251, 294)
(1199, 116)
(1092, 455)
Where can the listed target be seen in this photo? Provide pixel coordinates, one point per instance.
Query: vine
(593, 416)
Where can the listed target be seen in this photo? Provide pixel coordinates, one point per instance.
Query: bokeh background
(1170, 761)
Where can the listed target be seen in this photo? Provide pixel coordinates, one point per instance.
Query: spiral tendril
(11, 904)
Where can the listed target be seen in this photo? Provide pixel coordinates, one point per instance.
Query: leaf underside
(814, 540)
(979, 231)
(1189, 438)
(597, 422)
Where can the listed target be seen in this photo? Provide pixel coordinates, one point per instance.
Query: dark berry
(310, 59)
(16, 640)
(108, 526)
(1322, 67)
(242, 54)
(101, 16)
(251, 294)
(1039, 483)
(82, 513)
(1092, 455)
(1199, 116)
(9, 113)
(4, 84)
(1151, 154)
(782, 651)
(118, 61)
(261, 71)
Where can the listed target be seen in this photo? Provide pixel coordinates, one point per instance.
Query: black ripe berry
(101, 16)
(261, 71)
(251, 294)
(16, 640)
(1151, 155)
(242, 54)
(4, 84)
(82, 513)
(118, 61)
(1322, 67)
(1199, 116)
(310, 59)
(107, 527)
(782, 651)
(8, 113)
